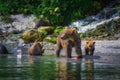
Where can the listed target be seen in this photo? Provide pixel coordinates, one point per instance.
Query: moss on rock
(47, 29)
(32, 35)
(51, 39)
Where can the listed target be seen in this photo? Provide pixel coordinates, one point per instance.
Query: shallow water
(51, 68)
(103, 65)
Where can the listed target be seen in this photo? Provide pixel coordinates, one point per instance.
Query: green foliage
(118, 7)
(58, 30)
(59, 12)
(6, 19)
(51, 39)
(47, 29)
(83, 35)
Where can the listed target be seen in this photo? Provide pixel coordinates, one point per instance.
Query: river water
(103, 65)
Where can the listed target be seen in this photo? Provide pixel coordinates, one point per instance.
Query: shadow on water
(51, 68)
(91, 57)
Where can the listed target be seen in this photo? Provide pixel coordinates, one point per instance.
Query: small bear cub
(89, 47)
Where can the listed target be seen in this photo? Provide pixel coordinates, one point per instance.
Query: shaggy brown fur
(36, 49)
(89, 47)
(68, 39)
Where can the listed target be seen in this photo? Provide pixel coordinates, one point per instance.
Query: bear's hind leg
(69, 52)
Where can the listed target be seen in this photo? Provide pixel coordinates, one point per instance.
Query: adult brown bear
(68, 39)
(36, 49)
(89, 47)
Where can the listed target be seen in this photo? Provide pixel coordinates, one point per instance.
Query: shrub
(58, 30)
(59, 12)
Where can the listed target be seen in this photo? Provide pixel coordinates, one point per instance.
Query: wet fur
(89, 47)
(36, 49)
(68, 39)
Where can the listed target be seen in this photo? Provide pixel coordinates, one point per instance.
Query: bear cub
(36, 49)
(89, 47)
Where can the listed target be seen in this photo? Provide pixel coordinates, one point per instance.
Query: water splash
(91, 22)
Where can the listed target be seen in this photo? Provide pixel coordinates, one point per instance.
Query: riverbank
(105, 51)
(22, 23)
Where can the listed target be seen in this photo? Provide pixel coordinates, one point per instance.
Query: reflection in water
(19, 54)
(68, 69)
(42, 68)
(31, 59)
(50, 68)
(89, 68)
(19, 61)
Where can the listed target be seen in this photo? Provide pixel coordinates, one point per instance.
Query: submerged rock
(3, 49)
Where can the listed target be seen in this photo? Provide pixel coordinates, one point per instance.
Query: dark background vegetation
(59, 12)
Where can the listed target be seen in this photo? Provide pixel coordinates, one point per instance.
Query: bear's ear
(73, 30)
